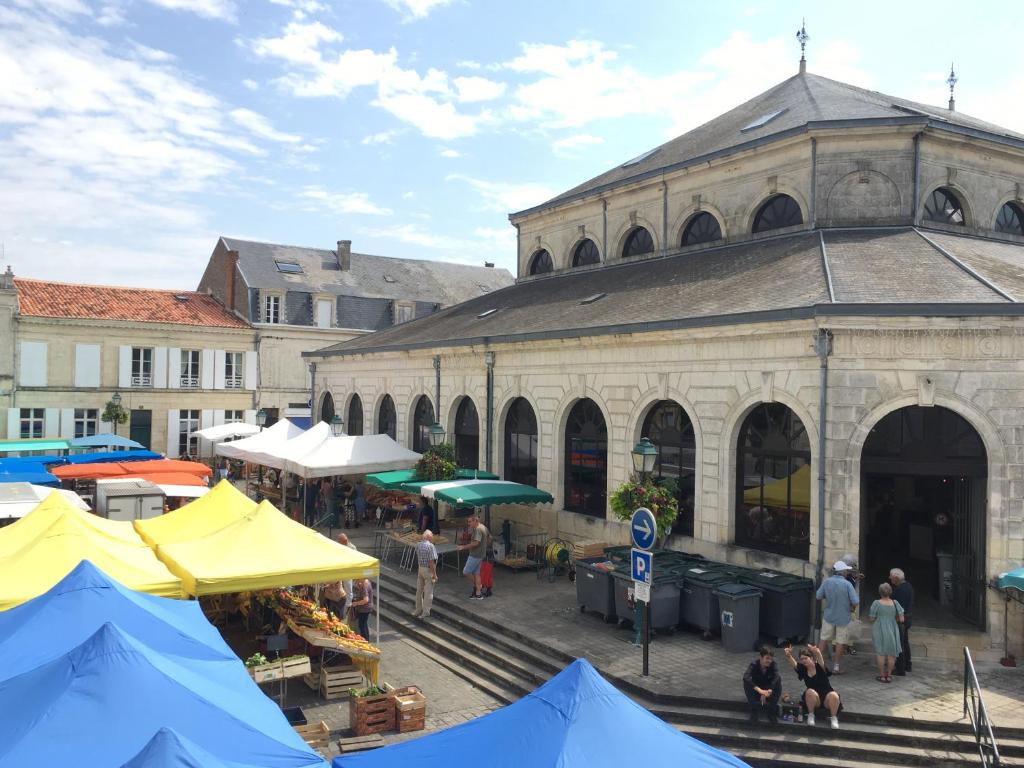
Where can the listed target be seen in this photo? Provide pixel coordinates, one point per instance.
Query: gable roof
(42, 298)
(791, 106)
(369, 276)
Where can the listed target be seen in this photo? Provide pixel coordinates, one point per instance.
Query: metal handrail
(974, 706)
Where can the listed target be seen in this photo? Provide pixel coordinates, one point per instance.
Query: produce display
(301, 613)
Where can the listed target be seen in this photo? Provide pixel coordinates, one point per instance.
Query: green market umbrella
(482, 492)
(1012, 580)
(405, 479)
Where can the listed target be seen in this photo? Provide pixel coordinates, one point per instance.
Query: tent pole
(376, 633)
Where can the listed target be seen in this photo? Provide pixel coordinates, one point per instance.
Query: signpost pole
(643, 528)
(647, 635)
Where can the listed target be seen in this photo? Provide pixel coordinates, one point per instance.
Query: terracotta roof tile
(41, 298)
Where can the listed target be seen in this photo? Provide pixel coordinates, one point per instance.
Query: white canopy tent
(352, 455)
(18, 499)
(183, 491)
(277, 433)
(226, 431)
(276, 454)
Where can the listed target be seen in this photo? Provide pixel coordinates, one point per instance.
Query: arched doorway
(422, 419)
(467, 435)
(923, 509)
(669, 428)
(586, 460)
(354, 424)
(327, 407)
(521, 443)
(387, 420)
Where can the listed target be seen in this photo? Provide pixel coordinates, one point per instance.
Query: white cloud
(304, 6)
(260, 126)
(151, 54)
(468, 64)
(450, 153)
(320, 199)
(298, 44)
(250, 84)
(384, 137)
(478, 89)
(410, 233)
(209, 9)
(416, 9)
(503, 197)
(569, 144)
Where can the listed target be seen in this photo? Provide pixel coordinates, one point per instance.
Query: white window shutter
(219, 417)
(205, 420)
(251, 371)
(218, 369)
(13, 423)
(87, 365)
(51, 422)
(67, 423)
(106, 427)
(173, 367)
(124, 367)
(250, 415)
(172, 434)
(32, 364)
(207, 366)
(160, 367)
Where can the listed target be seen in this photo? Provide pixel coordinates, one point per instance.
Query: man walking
(903, 593)
(477, 549)
(426, 575)
(840, 599)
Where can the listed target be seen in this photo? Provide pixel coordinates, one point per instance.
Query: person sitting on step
(763, 686)
(815, 675)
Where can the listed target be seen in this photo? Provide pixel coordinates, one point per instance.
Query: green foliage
(438, 463)
(114, 414)
(659, 496)
(362, 693)
(256, 660)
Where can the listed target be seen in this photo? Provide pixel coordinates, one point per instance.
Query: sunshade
(352, 455)
(48, 626)
(41, 548)
(33, 445)
(574, 719)
(262, 550)
(276, 454)
(18, 499)
(1012, 580)
(169, 749)
(103, 701)
(793, 491)
(178, 478)
(225, 431)
(223, 505)
(131, 469)
(11, 463)
(482, 493)
(30, 473)
(394, 481)
(105, 440)
(279, 431)
(101, 457)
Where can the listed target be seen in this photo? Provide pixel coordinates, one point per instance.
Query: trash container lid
(776, 582)
(703, 575)
(737, 591)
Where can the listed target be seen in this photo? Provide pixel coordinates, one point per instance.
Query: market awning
(30, 473)
(1011, 580)
(18, 499)
(12, 446)
(227, 431)
(277, 432)
(351, 455)
(103, 457)
(126, 469)
(394, 481)
(223, 505)
(275, 454)
(482, 493)
(183, 491)
(105, 440)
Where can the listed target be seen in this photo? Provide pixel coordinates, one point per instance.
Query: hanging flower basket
(659, 496)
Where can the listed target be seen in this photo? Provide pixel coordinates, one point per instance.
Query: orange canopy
(169, 478)
(145, 469)
(88, 471)
(167, 465)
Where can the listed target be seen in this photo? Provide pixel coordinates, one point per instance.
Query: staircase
(507, 665)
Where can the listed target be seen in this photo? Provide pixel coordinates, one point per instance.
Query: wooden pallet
(317, 735)
(335, 681)
(359, 743)
(371, 714)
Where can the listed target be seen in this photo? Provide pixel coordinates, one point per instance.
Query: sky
(134, 133)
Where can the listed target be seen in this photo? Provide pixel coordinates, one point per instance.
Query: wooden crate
(359, 743)
(413, 720)
(277, 670)
(335, 681)
(410, 709)
(371, 714)
(317, 735)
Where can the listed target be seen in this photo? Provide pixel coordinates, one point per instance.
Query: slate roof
(369, 276)
(806, 100)
(41, 298)
(734, 284)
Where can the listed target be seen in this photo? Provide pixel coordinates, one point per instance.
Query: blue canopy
(104, 440)
(102, 702)
(11, 463)
(576, 718)
(49, 626)
(1012, 580)
(169, 749)
(29, 473)
(103, 457)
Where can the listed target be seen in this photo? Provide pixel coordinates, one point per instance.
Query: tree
(115, 414)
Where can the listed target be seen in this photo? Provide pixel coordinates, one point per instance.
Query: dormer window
(271, 309)
(289, 267)
(404, 312)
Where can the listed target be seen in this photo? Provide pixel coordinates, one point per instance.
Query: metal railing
(974, 706)
(142, 380)
(189, 382)
(232, 382)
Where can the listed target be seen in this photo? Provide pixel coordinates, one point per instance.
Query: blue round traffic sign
(644, 528)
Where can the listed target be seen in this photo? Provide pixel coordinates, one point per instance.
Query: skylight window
(762, 120)
(592, 299)
(289, 266)
(483, 288)
(388, 279)
(640, 158)
(487, 313)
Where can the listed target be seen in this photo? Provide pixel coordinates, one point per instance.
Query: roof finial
(802, 37)
(951, 81)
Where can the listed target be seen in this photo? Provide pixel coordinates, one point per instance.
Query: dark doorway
(586, 460)
(327, 407)
(923, 509)
(422, 420)
(140, 429)
(521, 443)
(467, 435)
(355, 416)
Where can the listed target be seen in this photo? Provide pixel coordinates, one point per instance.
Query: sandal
(888, 678)
(881, 679)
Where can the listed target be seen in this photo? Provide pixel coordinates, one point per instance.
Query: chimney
(230, 267)
(489, 264)
(345, 255)
(7, 279)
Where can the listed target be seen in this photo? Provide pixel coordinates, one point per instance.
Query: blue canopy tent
(49, 626)
(574, 719)
(11, 463)
(103, 457)
(104, 440)
(29, 473)
(101, 703)
(169, 749)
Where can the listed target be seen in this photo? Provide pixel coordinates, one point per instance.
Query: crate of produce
(317, 735)
(295, 666)
(335, 682)
(371, 713)
(410, 709)
(583, 550)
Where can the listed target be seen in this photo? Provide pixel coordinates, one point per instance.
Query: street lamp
(261, 417)
(436, 435)
(116, 400)
(645, 456)
(337, 426)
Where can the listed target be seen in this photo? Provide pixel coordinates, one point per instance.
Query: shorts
(472, 566)
(830, 632)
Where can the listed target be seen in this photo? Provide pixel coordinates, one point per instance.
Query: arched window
(387, 421)
(422, 419)
(521, 443)
(586, 460)
(1010, 219)
(354, 423)
(541, 263)
(586, 253)
(777, 212)
(467, 435)
(773, 482)
(638, 242)
(702, 228)
(327, 408)
(669, 428)
(944, 207)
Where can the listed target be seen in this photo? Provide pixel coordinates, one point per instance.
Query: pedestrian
(477, 549)
(312, 497)
(840, 599)
(426, 575)
(328, 494)
(886, 615)
(425, 519)
(358, 498)
(903, 593)
(336, 598)
(763, 686)
(347, 583)
(362, 604)
(818, 688)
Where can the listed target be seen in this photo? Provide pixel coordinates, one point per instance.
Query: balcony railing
(232, 382)
(189, 382)
(142, 380)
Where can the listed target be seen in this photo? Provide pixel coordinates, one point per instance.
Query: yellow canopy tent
(219, 508)
(64, 536)
(777, 493)
(53, 508)
(262, 550)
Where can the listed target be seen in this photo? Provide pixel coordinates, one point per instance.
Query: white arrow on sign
(642, 527)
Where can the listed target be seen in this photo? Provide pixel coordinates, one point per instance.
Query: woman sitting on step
(815, 675)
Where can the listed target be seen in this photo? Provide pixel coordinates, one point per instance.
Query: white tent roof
(353, 455)
(276, 454)
(278, 432)
(225, 431)
(18, 499)
(183, 491)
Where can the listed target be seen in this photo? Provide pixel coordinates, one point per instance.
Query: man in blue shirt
(840, 599)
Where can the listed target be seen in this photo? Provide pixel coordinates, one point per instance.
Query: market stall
(18, 499)
(223, 505)
(352, 455)
(105, 440)
(275, 434)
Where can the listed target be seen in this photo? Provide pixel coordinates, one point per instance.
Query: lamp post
(337, 426)
(261, 418)
(436, 435)
(645, 456)
(116, 400)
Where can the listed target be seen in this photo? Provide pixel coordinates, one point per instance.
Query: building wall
(972, 367)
